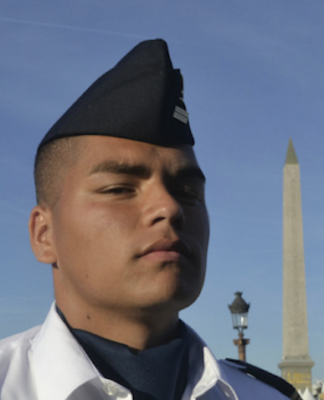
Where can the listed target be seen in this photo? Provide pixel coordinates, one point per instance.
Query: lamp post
(239, 310)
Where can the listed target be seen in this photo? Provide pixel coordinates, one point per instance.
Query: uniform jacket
(47, 363)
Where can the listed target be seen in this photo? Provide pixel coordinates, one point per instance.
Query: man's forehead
(108, 150)
(109, 154)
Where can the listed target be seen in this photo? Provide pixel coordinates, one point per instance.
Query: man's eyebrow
(191, 172)
(117, 167)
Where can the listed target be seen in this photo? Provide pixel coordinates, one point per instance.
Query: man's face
(130, 229)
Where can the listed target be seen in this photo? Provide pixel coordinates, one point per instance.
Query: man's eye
(188, 194)
(118, 190)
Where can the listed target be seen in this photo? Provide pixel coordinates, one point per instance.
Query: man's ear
(41, 234)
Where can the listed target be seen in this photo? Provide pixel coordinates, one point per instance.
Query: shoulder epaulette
(270, 379)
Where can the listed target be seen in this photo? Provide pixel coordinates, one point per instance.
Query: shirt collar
(207, 378)
(159, 372)
(54, 346)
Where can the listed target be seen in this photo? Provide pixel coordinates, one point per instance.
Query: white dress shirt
(47, 363)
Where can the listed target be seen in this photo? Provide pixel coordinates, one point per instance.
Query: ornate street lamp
(239, 310)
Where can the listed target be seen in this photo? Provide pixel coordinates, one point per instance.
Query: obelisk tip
(291, 157)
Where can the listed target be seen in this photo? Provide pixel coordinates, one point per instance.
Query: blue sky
(253, 75)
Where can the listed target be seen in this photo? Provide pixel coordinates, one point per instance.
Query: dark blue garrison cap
(141, 99)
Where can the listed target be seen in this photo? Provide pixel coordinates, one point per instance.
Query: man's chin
(171, 300)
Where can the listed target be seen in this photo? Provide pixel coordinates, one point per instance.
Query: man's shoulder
(247, 381)
(18, 342)
(14, 364)
(245, 376)
(23, 341)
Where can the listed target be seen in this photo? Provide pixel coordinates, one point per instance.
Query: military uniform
(140, 99)
(47, 363)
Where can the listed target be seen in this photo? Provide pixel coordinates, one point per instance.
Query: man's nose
(163, 207)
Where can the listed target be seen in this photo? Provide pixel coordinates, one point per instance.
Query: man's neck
(139, 331)
(157, 373)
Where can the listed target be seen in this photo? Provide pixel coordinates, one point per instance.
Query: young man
(121, 217)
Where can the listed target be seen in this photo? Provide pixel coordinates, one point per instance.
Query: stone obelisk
(296, 364)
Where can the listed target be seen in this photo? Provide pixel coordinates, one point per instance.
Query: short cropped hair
(51, 162)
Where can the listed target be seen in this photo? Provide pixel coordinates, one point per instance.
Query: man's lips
(165, 250)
